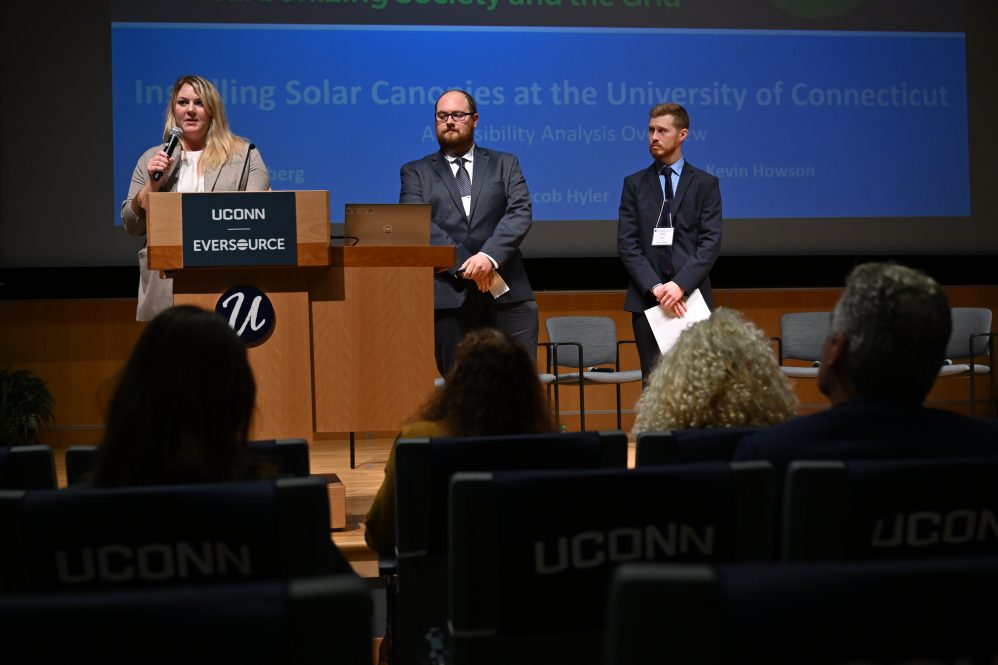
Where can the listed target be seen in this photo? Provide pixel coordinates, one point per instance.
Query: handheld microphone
(175, 135)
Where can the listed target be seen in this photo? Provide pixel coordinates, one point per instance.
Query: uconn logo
(237, 214)
(926, 527)
(595, 548)
(153, 562)
(249, 311)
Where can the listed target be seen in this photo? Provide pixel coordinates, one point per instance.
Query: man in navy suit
(481, 205)
(669, 229)
(886, 343)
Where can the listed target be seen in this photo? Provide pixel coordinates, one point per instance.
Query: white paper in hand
(667, 327)
(499, 285)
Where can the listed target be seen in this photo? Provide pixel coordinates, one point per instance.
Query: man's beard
(450, 139)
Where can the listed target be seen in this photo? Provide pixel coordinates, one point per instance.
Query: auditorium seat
(871, 612)
(164, 535)
(970, 342)
(801, 337)
(689, 445)
(989, 341)
(307, 621)
(890, 509)
(586, 345)
(289, 456)
(532, 552)
(27, 468)
(418, 603)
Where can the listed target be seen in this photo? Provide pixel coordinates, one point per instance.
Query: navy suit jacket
(866, 429)
(500, 219)
(696, 243)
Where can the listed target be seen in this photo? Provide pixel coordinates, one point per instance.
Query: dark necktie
(667, 172)
(665, 253)
(462, 177)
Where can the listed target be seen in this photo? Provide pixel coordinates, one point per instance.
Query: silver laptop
(378, 224)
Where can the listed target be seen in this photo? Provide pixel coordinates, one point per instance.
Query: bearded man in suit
(481, 205)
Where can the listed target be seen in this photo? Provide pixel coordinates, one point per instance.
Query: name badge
(662, 236)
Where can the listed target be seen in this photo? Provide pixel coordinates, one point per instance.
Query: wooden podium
(351, 349)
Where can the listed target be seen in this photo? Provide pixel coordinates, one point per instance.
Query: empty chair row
(300, 621)
(289, 457)
(33, 467)
(906, 435)
(554, 513)
(165, 535)
(874, 612)
(531, 553)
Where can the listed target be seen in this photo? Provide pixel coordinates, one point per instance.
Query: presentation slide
(796, 124)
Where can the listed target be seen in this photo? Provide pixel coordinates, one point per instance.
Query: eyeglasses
(459, 116)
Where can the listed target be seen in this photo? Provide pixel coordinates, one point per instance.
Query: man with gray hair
(883, 352)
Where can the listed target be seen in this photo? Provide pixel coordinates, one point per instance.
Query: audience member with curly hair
(720, 373)
(491, 389)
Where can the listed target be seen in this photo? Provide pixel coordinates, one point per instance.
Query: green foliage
(25, 405)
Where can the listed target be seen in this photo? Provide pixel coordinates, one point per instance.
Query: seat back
(424, 468)
(596, 334)
(532, 552)
(314, 620)
(163, 535)
(79, 461)
(926, 611)
(690, 445)
(890, 509)
(802, 334)
(968, 321)
(27, 468)
(288, 456)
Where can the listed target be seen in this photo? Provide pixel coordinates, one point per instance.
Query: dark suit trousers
(480, 310)
(648, 350)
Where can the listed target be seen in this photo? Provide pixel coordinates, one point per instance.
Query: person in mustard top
(492, 389)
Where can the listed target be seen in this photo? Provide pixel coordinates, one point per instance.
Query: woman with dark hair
(182, 408)
(181, 411)
(211, 159)
(492, 389)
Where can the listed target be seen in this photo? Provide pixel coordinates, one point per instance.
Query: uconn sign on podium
(240, 229)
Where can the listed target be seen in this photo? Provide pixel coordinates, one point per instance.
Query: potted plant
(25, 405)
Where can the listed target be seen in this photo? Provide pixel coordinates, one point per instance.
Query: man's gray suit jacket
(500, 219)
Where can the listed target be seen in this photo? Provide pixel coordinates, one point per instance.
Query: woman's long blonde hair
(220, 144)
(720, 373)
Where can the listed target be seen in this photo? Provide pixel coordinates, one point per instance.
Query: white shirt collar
(468, 156)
